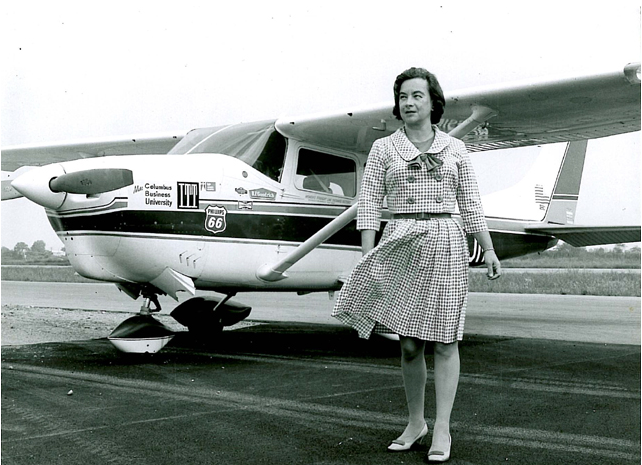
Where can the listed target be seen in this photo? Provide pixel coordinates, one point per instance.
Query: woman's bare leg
(413, 368)
(446, 381)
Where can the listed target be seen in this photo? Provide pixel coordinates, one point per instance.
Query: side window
(321, 172)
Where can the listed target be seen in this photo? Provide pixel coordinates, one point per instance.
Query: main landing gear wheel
(205, 317)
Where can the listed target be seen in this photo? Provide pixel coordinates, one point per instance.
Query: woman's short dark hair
(434, 90)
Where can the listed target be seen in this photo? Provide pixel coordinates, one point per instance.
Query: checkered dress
(415, 282)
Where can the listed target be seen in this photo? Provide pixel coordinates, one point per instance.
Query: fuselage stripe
(283, 224)
(170, 237)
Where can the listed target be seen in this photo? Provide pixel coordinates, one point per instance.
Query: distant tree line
(37, 254)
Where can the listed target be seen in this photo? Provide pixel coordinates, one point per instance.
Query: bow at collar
(413, 157)
(427, 159)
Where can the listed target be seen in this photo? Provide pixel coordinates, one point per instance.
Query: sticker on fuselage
(188, 193)
(241, 191)
(245, 205)
(208, 186)
(157, 195)
(262, 194)
(215, 218)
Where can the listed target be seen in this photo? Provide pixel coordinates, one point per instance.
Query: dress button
(410, 178)
(439, 176)
(439, 199)
(410, 200)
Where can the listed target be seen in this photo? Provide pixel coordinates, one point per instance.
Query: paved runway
(309, 393)
(610, 320)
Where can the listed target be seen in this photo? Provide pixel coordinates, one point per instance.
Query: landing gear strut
(150, 298)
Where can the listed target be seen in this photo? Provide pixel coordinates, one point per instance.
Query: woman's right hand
(367, 240)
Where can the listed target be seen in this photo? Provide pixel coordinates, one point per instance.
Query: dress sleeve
(373, 190)
(468, 198)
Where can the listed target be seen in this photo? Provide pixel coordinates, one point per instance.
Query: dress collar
(407, 149)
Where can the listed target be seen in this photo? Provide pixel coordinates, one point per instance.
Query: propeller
(94, 181)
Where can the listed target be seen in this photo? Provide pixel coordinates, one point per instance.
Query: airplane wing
(513, 115)
(504, 115)
(521, 114)
(37, 155)
(582, 236)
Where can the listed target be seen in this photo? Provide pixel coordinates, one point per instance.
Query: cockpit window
(258, 144)
(326, 173)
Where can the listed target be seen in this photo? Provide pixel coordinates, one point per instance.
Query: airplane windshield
(258, 144)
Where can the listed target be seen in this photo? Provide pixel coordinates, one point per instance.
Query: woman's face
(414, 101)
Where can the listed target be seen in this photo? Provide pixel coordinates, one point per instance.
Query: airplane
(270, 205)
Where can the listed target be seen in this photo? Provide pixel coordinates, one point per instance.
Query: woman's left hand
(492, 262)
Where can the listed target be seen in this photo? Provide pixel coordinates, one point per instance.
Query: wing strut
(480, 115)
(277, 271)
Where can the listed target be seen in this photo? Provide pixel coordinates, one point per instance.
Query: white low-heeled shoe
(437, 456)
(399, 446)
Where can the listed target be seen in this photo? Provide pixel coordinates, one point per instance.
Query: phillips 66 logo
(215, 220)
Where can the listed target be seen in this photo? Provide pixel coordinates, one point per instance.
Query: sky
(82, 70)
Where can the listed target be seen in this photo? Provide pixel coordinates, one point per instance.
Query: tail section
(563, 202)
(559, 220)
(544, 201)
(540, 173)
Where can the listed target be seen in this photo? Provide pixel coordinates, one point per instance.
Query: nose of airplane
(49, 185)
(34, 185)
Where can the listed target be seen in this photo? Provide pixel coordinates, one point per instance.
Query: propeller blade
(95, 181)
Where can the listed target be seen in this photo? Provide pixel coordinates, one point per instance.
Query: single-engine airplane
(270, 205)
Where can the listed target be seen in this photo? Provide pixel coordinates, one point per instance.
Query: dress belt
(419, 216)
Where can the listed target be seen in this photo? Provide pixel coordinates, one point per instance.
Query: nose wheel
(142, 333)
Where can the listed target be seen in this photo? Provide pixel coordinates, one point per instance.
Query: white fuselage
(209, 217)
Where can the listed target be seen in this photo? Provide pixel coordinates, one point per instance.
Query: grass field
(44, 274)
(568, 281)
(561, 282)
(584, 260)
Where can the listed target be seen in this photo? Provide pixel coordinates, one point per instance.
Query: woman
(415, 282)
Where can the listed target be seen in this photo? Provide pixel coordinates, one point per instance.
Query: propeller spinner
(49, 185)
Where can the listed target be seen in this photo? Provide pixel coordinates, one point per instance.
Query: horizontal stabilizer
(582, 236)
